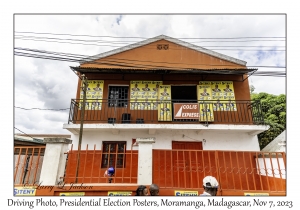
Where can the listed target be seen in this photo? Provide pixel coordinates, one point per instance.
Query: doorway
(184, 94)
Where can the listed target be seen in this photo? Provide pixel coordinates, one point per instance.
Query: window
(117, 96)
(113, 154)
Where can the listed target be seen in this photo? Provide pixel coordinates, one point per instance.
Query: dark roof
(19, 141)
(236, 71)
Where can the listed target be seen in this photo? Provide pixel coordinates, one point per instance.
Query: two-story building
(166, 111)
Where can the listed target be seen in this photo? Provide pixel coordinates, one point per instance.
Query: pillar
(54, 161)
(145, 160)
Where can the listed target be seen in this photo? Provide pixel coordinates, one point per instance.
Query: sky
(34, 92)
(50, 84)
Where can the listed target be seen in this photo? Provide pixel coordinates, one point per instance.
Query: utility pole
(84, 83)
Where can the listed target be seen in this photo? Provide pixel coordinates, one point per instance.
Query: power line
(148, 38)
(124, 62)
(34, 38)
(135, 42)
(24, 133)
(116, 64)
(41, 109)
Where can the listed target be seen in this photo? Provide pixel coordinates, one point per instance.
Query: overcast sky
(50, 84)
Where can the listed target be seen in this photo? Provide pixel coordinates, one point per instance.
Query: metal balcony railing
(154, 111)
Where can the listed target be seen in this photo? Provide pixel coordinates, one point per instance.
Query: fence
(91, 169)
(244, 171)
(221, 112)
(28, 164)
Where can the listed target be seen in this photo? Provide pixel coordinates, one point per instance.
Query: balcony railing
(142, 111)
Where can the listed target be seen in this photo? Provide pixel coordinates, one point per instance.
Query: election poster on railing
(144, 95)
(220, 92)
(94, 95)
(165, 103)
(204, 94)
(229, 97)
(206, 112)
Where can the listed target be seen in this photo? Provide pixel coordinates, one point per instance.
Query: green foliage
(274, 113)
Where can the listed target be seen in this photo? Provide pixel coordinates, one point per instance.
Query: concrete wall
(212, 140)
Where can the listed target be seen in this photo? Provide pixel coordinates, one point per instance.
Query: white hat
(210, 182)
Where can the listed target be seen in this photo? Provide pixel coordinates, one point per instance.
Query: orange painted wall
(241, 89)
(175, 57)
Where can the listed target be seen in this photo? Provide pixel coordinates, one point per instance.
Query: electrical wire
(107, 45)
(82, 58)
(120, 64)
(24, 133)
(112, 42)
(41, 109)
(143, 37)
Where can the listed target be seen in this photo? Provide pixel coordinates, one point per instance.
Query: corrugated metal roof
(240, 71)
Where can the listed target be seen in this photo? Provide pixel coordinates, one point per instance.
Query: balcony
(105, 111)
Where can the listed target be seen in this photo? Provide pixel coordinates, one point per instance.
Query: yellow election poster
(204, 91)
(72, 194)
(185, 193)
(216, 91)
(119, 193)
(135, 89)
(230, 106)
(228, 93)
(165, 103)
(206, 112)
(94, 94)
(218, 105)
(256, 194)
(144, 95)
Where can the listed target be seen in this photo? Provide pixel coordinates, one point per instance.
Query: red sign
(186, 111)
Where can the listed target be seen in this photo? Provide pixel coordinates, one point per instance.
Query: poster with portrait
(144, 95)
(228, 96)
(218, 105)
(230, 106)
(164, 103)
(216, 90)
(165, 111)
(219, 92)
(206, 112)
(94, 94)
(204, 91)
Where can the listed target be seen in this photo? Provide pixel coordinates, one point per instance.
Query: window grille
(118, 96)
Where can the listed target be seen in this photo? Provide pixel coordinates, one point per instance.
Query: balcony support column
(145, 160)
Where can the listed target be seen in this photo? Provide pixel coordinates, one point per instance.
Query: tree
(274, 113)
(252, 88)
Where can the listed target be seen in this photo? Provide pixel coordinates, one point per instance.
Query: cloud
(51, 84)
(119, 19)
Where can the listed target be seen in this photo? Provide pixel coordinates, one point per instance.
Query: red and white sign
(186, 111)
